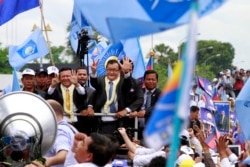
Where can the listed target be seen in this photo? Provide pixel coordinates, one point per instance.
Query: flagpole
(46, 33)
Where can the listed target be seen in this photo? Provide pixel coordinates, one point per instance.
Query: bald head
(57, 107)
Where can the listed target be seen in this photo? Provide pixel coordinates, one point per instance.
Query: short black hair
(65, 69)
(158, 161)
(113, 61)
(147, 72)
(81, 68)
(194, 109)
(101, 149)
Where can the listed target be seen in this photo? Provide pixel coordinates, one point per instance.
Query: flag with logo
(97, 49)
(118, 20)
(34, 47)
(130, 48)
(11, 8)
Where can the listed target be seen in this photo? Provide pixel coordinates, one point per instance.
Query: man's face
(28, 81)
(81, 150)
(64, 77)
(112, 71)
(41, 79)
(82, 76)
(194, 115)
(150, 81)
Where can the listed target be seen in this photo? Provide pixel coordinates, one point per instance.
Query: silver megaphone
(28, 126)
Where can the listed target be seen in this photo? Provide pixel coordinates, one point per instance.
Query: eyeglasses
(112, 70)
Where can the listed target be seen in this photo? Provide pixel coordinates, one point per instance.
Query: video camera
(83, 39)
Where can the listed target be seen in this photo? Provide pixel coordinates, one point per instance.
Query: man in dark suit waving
(109, 95)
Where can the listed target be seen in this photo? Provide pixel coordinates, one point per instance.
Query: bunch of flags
(118, 20)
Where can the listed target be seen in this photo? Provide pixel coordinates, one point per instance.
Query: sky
(230, 23)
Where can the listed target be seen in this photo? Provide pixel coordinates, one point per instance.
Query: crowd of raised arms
(96, 118)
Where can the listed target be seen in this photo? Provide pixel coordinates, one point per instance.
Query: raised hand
(94, 65)
(73, 78)
(126, 66)
(55, 81)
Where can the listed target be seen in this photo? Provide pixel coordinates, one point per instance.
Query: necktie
(110, 89)
(148, 99)
(112, 105)
(67, 100)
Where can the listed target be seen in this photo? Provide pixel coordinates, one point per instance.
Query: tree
(211, 61)
(4, 62)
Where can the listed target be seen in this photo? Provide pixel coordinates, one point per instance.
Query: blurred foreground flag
(11, 8)
(171, 111)
(170, 71)
(118, 20)
(130, 48)
(34, 47)
(242, 105)
(159, 129)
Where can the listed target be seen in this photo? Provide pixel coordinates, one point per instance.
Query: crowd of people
(85, 138)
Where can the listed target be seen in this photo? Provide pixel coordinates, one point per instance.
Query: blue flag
(11, 8)
(78, 22)
(118, 20)
(34, 47)
(130, 48)
(97, 49)
(242, 108)
(15, 82)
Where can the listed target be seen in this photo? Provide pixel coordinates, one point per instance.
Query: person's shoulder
(87, 164)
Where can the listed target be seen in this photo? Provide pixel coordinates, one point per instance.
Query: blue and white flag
(130, 48)
(78, 22)
(11, 8)
(33, 48)
(15, 86)
(118, 20)
(242, 108)
(97, 49)
(205, 85)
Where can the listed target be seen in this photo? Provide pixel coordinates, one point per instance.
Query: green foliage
(211, 61)
(162, 72)
(4, 61)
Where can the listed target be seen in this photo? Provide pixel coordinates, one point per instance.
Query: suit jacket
(134, 96)
(223, 125)
(78, 99)
(99, 97)
(154, 97)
